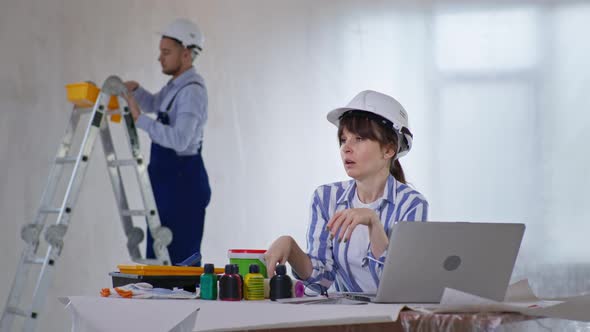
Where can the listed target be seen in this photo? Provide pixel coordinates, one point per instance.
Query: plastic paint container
(230, 285)
(281, 285)
(244, 257)
(254, 284)
(208, 283)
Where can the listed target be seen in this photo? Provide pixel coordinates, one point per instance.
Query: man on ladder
(177, 173)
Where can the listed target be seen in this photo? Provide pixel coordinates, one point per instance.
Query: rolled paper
(298, 289)
(267, 288)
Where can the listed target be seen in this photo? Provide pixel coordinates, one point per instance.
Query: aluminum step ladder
(53, 233)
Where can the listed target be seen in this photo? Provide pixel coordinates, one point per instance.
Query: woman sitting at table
(351, 221)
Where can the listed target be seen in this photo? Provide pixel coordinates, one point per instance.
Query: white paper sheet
(519, 298)
(94, 314)
(520, 291)
(213, 315)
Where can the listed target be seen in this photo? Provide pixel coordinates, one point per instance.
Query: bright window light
(480, 41)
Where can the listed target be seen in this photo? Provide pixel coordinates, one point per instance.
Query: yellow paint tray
(84, 94)
(164, 270)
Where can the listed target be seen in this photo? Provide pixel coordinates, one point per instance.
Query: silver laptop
(425, 257)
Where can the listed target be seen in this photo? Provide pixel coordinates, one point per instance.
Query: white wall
(274, 69)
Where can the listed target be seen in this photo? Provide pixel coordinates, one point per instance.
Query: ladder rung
(129, 213)
(66, 160)
(36, 260)
(50, 210)
(17, 311)
(122, 162)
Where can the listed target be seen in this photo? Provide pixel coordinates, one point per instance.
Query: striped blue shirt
(332, 261)
(188, 113)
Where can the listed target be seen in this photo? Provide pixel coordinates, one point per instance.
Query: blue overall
(182, 192)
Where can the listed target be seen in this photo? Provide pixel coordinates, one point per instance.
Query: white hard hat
(186, 32)
(384, 106)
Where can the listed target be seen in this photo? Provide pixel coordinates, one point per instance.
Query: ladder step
(17, 311)
(49, 210)
(130, 213)
(35, 260)
(66, 160)
(122, 162)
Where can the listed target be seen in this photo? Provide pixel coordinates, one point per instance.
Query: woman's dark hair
(370, 126)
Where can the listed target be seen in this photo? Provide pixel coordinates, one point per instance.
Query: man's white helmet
(384, 106)
(186, 32)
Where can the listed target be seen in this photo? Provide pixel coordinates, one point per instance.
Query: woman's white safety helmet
(385, 107)
(186, 32)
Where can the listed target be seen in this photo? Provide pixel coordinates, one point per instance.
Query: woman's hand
(278, 253)
(343, 223)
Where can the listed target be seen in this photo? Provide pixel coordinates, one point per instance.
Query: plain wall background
(494, 91)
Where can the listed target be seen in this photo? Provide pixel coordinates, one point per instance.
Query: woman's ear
(389, 151)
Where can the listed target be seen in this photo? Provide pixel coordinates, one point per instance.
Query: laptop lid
(425, 257)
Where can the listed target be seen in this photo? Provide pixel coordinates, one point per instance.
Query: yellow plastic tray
(164, 270)
(84, 94)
